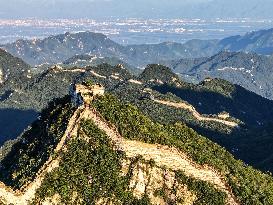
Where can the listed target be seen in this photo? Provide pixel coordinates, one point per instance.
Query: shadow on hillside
(247, 106)
(5, 95)
(254, 146)
(13, 122)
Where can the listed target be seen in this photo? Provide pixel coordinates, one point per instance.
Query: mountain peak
(158, 72)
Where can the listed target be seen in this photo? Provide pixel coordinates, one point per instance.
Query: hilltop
(89, 60)
(56, 49)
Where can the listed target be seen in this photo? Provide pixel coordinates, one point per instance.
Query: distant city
(132, 31)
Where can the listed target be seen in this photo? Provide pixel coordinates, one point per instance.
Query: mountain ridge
(211, 98)
(250, 70)
(187, 166)
(56, 49)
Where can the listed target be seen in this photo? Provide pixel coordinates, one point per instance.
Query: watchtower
(84, 94)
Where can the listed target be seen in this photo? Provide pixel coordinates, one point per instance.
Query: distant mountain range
(56, 49)
(250, 70)
(260, 42)
(191, 60)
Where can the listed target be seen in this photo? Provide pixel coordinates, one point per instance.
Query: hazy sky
(136, 8)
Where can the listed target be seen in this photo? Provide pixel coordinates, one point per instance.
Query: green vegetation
(11, 66)
(158, 72)
(208, 98)
(250, 186)
(162, 113)
(220, 86)
(206, 193)
(35, 146)
(88, 83)
(89, 172)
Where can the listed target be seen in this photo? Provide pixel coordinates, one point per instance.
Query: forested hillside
(110, 152)
(212, 108)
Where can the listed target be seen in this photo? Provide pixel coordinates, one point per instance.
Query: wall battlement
(84, 94)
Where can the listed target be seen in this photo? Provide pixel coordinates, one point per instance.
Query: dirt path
(196, 114)
(74, 70)
(27, 193)
(97, 75)
(164, 156)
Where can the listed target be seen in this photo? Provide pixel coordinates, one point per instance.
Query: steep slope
(159, 74)
(29, 154)
(196, 114)
(130, 127)
(11, 66)
(251, 71)
(241, 104)
(13, 73)
(110, 153)
(214, 99)
(212, 96)
(24, 99)
(257, 141)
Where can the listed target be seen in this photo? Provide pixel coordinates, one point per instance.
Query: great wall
(163, 156)
(197, 115)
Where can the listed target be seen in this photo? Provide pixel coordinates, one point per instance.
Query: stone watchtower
(84, 94)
